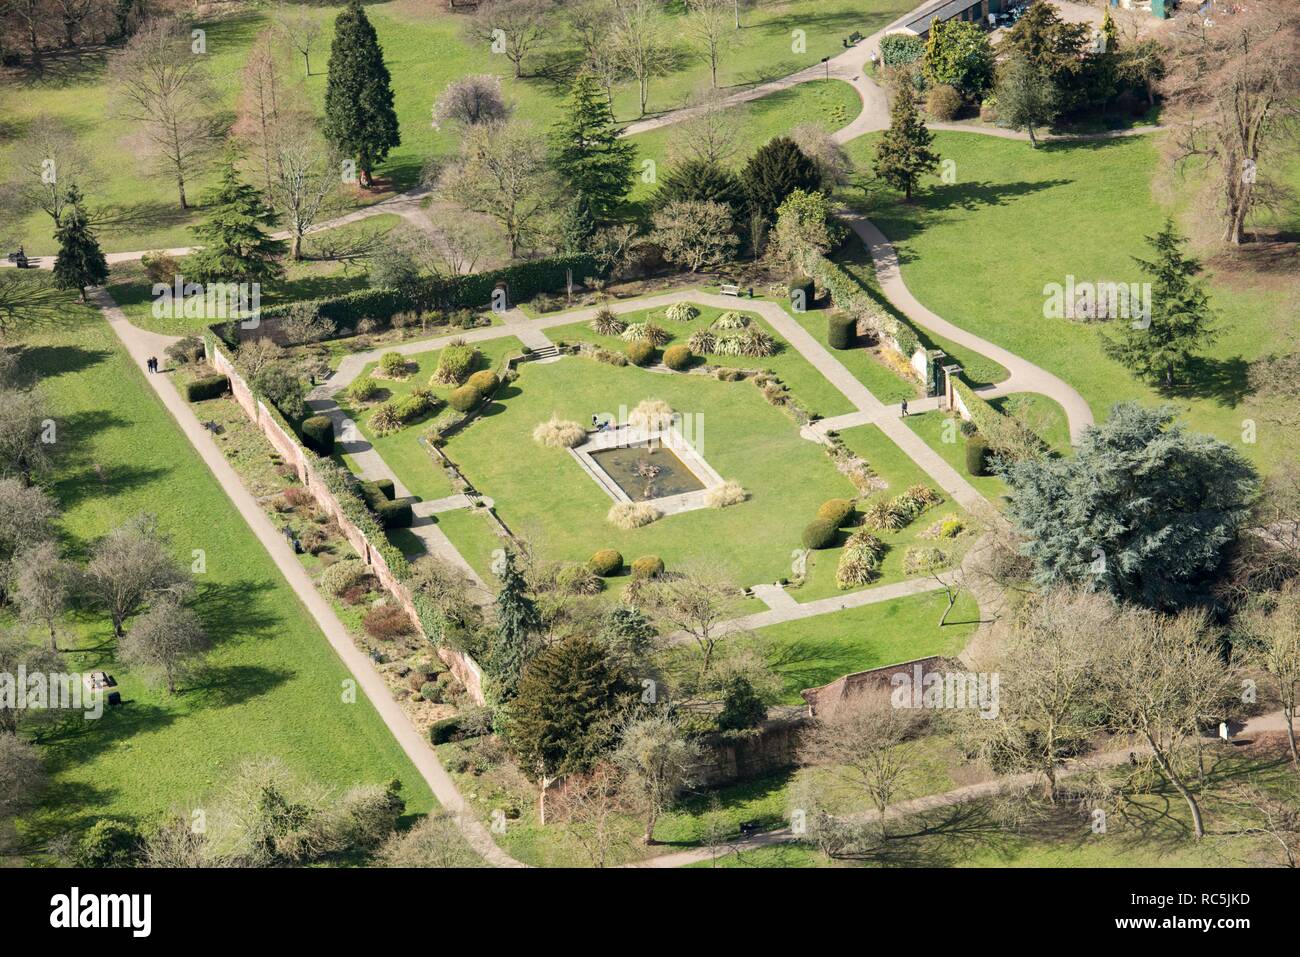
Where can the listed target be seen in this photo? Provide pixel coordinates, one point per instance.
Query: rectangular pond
(647, 471)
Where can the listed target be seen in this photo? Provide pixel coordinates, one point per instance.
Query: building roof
(920, 21)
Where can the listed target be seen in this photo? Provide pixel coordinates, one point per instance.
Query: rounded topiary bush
(840, 330)
(640, 351)
(977, 455)
(819, 534)
(392, 364)
(465, 399)
(318, 434)
(647, 566)
(801, 287)
(606, 562)
(678, 358)
(837, 510)
(943, 102)
(485, 381)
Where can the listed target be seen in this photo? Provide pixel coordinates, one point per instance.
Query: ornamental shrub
(819, 534)
(640, 352)
(647, 566)
(977, 452)
(678, 358)
(318, 434)
(606, 562)
(465, 399)
(838, 510)
(841, 330)
(206, 387)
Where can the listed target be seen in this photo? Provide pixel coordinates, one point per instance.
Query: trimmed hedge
(391, 512)
(678, 358)
(819, 534)
(606, 562)
(485, 381)
(346, 489)
(524, 280)
(977, 454)
(804, 285)
(465, 399)
(986, 418)
(647, 566)
(640, 351)
(838, 510)
(899, 49)
(850, 297)
(206, 387)
(841, 330)
(318, 434)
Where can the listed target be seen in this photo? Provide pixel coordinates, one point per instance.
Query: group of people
(152, 364)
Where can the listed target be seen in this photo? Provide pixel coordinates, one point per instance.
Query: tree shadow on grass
(235, 609)
(222, 687)
(103, 481)
(41, 363)
(1223, 381)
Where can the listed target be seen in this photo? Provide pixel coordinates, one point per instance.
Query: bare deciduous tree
(48, 160)
(696, 601)
(471, 101)
(513, 27)
(1233, 98)
(864, 747)
(21, 775)
(42, 584)
(658, 758)
(589, 806)
(299, 30)
(1164, 679)
(697, 235)
(504, 174)
(707, 25)
(1273, 629)
(709, 133)
(304, 175)
(162, 85)
(129, 567)
(640, 42)
(435, 842)
(166, 641)
(1047, 676)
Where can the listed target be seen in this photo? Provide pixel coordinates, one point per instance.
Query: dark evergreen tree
(775, 171)
(904, 154)
(627, 634)
(588, 153)
(80, 262)
(1142, 510)
(1162, 347)
(700, 181)
(576, 226)
(236, 247)
(359, 115)
(562, 719)
(517, 625)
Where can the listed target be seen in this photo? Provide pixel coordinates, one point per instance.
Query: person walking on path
(904, 408)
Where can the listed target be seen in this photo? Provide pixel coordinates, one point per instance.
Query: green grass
(542, 494)
(405, 455)
(892, 465)
(829, 105)
(980, 252)
(425, 47)
(940, 432)
(818, 650)
(315, 277)
(807, 384)
(1042, 413)
(272, 684)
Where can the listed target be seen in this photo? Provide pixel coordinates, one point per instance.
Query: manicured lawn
(317, 276)
(807, 384)
(425, 47)
(402, 450)
(818, 650)
(543, 494)
(980, 252)
(891, 464)
(939, 432)
(1042, 413)
(272, 685)
(829, 105)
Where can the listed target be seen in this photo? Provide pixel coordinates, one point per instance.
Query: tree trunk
(295, 246)
(180, 188)
(54, 640)
(1289, 714)
(541, 803)
(1033, 143)
(1197, 825)
(650, 826)
(306, 59)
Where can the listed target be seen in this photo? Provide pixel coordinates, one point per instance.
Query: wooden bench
(731, 289)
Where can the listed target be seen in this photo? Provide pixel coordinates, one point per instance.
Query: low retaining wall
(464, 667)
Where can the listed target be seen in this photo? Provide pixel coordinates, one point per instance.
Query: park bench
(731, 289)
(20, 260)
(750, 827)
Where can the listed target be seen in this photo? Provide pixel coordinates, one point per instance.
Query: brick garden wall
(464, 667)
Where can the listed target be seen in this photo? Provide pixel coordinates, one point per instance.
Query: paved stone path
(140, 345)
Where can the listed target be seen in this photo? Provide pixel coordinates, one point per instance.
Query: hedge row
(986, 418)
(523, 280)
(346, 489)
(206, 387)
(391, 512)
(848, 296)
